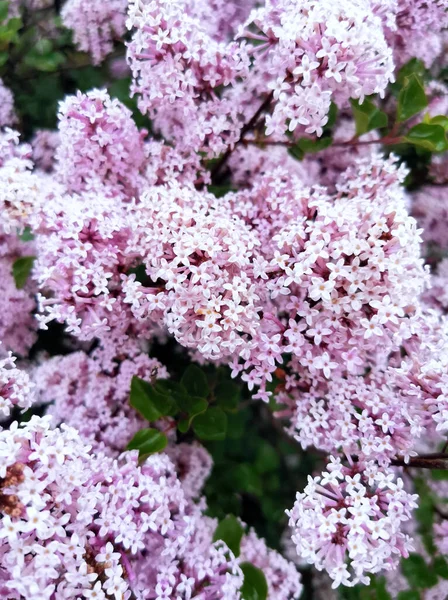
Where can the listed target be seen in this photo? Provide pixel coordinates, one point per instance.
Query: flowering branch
(387, 140)
(245, 129)
(437, 460)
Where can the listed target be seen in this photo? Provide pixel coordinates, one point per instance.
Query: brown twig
(245, 129)
(438, 460)
(386, 141)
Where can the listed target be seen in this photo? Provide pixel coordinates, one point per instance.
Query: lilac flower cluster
(316, 53)
(79, 525)
(347, 521)
(94, 402)
(95, 25)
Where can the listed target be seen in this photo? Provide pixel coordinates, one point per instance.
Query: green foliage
(145, 399)
(368, 116)
(21, 270)
(309, 146)
(148, 441)
(227, 395)
(231, 532)
(194, 381)
(255, 586)
(417, 573)
(408, 595)
(429, 136)
(43, 57)
(411, 99)
(211, 425)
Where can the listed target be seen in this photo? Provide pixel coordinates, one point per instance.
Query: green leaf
(332, 114)
(441, 567)
(412, 98)
(412, 67)
(417, 572)
(26, 235)
(193, 406)
(227, 395)
(440, 120)
(211, 425)
(220, 190)
(194, 381)
(142, 399)
(230, 531)
(4, 7)
(148, 441)
(431, 137)
(267, 459)
(306, 145)
(367, 116)
(254, 586)
(408, 595)
(21, 270)
(244, 478)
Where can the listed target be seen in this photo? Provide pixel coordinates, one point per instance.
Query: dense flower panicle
(193, 466)
(316, 53)
(283, 579)
(7, 113)
(177, 65)
(341, 271)
(332, 164)
(385, 412)
(96, 25)
(74, 523)
(166, 164)
(347, 521)
(92, 401)
(81, 242)
(22, 191)
(198, 259)
(205, 570)
(17, 325)
(44, 145)
(249, 163)
(16, 389)
(99, 143)
(418, 29)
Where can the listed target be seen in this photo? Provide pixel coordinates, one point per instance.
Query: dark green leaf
(367, 116)
(4, 6)
(244, 478)
(227, 395)
(417, 573)
(194, 381)
(412, 98)
(142, 399)
(431, 137)
(441, 567)
(21, 270)
(211, 425)
(267, 459)
(220, 190)
(332, 114)
(408, 595)
(230, 531)
(26, 235)
(148, 441)
(296, 152)
(306, 145)
(440, 120)
(254, 585)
